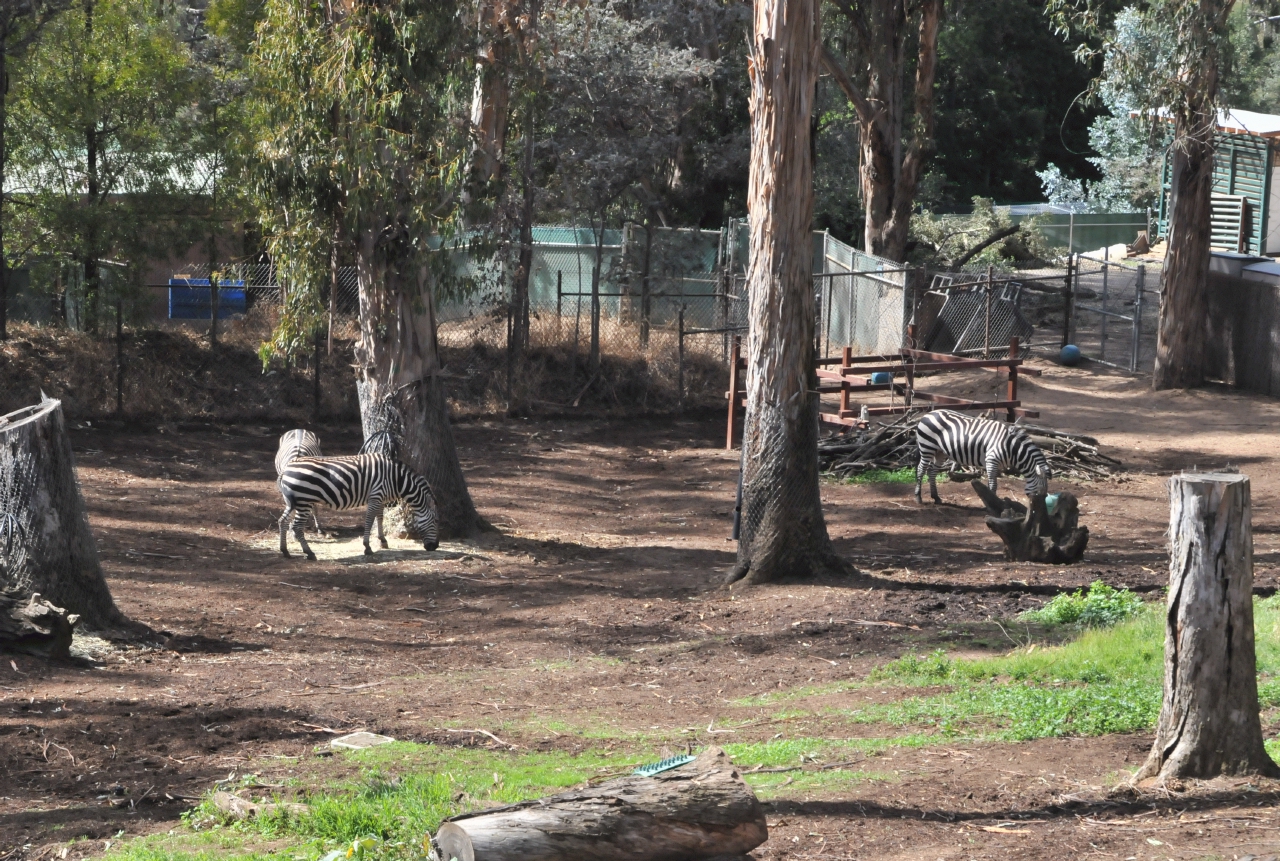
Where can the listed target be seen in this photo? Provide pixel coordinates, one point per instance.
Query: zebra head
(1031, 463)
(426, 519)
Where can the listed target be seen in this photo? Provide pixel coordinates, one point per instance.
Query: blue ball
(1070, 354)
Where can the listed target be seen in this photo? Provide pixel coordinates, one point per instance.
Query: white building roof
(1249, 122)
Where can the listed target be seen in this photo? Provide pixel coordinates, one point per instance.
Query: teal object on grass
(1051, 502)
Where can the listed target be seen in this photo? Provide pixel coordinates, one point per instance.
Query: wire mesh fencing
(1116, 311)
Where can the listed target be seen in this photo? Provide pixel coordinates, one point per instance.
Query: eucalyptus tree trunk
(398, 366)
(783, 533)
(4, 267)
(1184, 303)
(889, 176)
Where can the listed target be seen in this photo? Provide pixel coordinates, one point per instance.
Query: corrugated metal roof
(1249, 123)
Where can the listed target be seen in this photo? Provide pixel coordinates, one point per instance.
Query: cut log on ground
(1209, 724)
(701, 810)
(1033, 534)
(45, 542)
(30, 624)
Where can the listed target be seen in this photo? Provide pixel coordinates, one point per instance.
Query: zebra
(295, 444)
(346, 483)
(973, 442)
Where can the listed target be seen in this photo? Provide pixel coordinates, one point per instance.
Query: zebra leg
(372, 513)
(315, 522)
(919, 479)
(302, 538)
(382, 539)
(993, 470)
(933, 482)
(286, 520)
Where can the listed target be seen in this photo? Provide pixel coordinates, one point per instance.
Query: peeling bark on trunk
(30, 624)
(398, 364)
(1184, 306)
(46, 545)
(701, 810)
(1209, 722)
(889, 176)
(783, 533)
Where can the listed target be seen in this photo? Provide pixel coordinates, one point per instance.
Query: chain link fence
(1116, 311)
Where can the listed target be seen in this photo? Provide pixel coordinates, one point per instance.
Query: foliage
(1004, 114)
(353, 135)
(98, 133)
(1100, 607)
(941, 239)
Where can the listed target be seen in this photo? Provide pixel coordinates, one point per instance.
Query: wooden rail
(848, 374)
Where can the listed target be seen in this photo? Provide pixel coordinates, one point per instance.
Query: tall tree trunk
(783, 533)
(490, 100)
(524, 266)
(596, 273)
(1184, 304)
(92, 279)
(889, 175)
(398, 365)
(4, 115)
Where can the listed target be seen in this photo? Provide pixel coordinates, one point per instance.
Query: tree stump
(701, 810)
(1032, 534)
(1209, 722)
(46, 546)
(28, 623)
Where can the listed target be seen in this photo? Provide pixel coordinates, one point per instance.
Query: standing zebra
(293, 445)
(944, 435)
(346, 483)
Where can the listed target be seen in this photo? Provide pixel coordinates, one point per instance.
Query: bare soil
(598, 604)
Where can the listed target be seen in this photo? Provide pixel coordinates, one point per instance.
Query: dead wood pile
(892, 446)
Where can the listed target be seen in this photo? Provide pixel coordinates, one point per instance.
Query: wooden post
(846, 363)
(701, 810)
(119, 356)
(986, 335)
(735, 356)
(1068, 298)
(1012, 393)
(1209, 723)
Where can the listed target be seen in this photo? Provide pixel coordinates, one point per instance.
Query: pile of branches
(892, 447)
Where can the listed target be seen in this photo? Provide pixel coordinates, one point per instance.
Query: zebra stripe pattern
(345, 483)
(976, 443)
(293, 445)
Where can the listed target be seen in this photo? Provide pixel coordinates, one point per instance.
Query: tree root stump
(701, 810)
(1032, 534)
(28, 623)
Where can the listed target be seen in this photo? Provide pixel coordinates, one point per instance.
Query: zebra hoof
(383, 543)
(285, 554)
(311, 556)
(368, 551)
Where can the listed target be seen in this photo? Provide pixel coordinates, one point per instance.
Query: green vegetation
(906, 475)
(1100, 607)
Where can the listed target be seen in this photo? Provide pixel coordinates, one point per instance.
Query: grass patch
(906, 475)
(1100, 607)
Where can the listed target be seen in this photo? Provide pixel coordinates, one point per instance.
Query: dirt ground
(599, 604)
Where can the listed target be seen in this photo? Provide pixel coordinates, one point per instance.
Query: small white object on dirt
(360, 740)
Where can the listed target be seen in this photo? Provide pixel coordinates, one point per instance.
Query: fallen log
(1033, 534)
(28, 623)
(701, 810)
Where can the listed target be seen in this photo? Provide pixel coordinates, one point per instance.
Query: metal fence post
(1068, 296)
(680, 350)
(1106, 265)
(986, 335)
(1139, 287)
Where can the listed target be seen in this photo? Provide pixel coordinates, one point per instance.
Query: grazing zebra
(944, 435)
(295, 444)
(346, 483)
